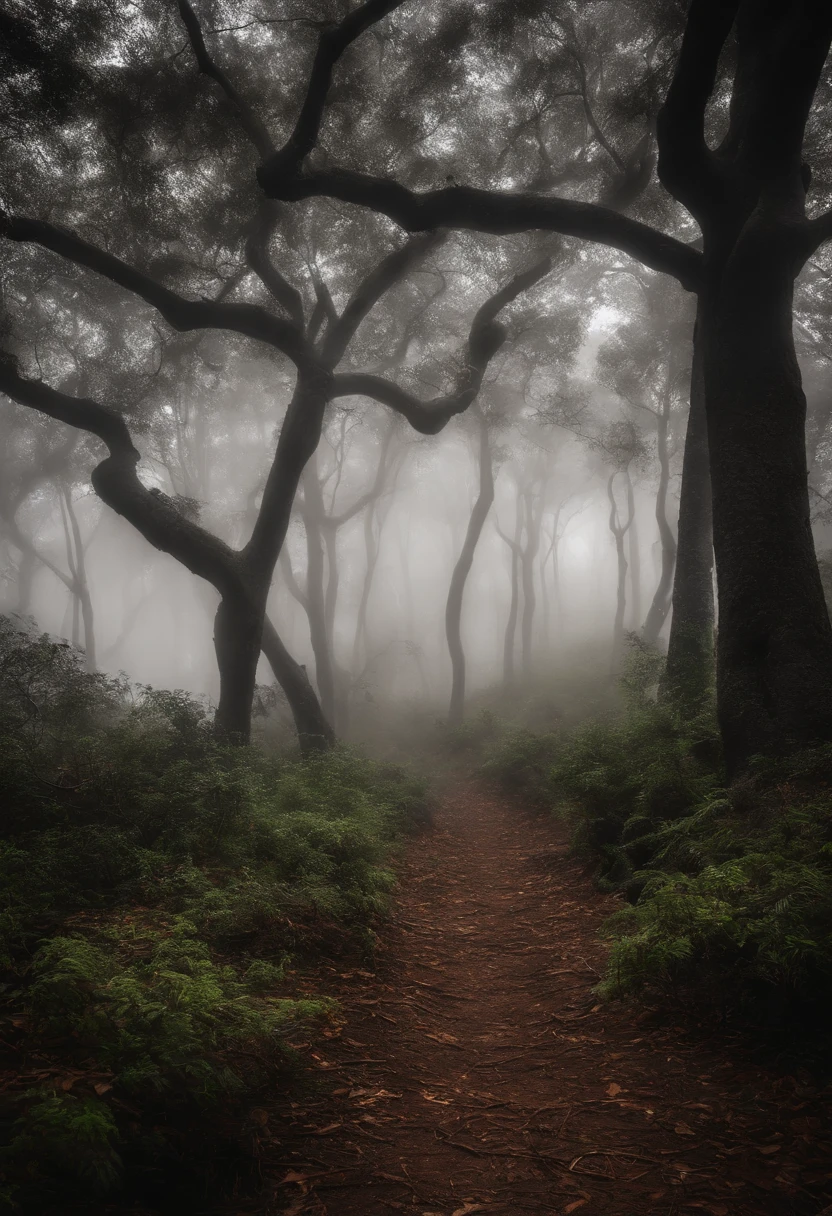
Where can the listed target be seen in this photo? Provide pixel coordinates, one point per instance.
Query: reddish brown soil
(475, 1070)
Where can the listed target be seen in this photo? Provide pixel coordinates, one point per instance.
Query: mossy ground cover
(162, 893)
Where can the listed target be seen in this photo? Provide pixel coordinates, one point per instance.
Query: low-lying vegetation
(727, 891)
(161, 893)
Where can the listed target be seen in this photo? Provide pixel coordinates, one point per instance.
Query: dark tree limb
(116, 482)
(495, 211)
(687, 168)
(331, 45)
(486, 337)
(257, 256)
(181, 314)
(389, 271)
(249, 121)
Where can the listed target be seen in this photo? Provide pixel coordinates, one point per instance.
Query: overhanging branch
(331, 46)
(249, 121)
(497, 212)
(485, 339)
(181, 314)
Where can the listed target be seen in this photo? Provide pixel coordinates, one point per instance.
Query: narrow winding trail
(475, 1071)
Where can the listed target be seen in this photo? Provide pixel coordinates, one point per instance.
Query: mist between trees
(413, 465)
(393, 374)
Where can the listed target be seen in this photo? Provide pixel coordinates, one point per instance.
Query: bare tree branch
(249, 121)
(257, 256)
(498, 212)
(687, 169)
(390, 270)
(180, 313)
(331, 46)
(484, 340)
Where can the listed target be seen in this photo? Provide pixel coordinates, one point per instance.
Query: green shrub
(730, 891)
(620, 779)
(156, 886)
(737, 901)
(521, 763)
(68, 1135)
(158, 1011)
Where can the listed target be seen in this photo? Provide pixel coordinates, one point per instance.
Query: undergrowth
(727, 892)
(160, 893)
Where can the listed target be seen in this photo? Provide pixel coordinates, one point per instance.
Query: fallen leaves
(613, 1090)
(682, 1129)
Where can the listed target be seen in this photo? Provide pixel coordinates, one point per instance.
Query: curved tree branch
(687, 169)
(117, 483)
(495, 211)
(249, 121)
(257, 256)
(389, 271)
(331, 45)
(486, 337)
(181, 314)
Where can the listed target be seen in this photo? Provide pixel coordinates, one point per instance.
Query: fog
(402, 503)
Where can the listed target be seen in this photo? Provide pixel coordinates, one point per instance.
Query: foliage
(521, 763)
(737, 897)
(159, 889)
(728, 891)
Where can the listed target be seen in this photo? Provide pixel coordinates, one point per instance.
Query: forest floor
(475, 1071)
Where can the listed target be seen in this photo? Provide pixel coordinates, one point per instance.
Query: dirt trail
(476, 1071)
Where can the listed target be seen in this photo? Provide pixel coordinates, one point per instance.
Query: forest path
(476, 1072)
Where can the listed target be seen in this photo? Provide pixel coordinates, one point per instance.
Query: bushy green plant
(729, 890)
(737, 901)
(156, 883)
(71, 1135)
(158, 1011)
(521, 763)
(619, 779)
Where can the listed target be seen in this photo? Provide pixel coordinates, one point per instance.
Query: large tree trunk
(453, 608)
(774, 646)
(238, 627)
(659, 608)
(689, 671)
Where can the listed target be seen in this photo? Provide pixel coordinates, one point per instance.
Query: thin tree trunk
(689, 672)
(453, 609)
(82, 589)
(619, 531)
(316, 607)
(659, 608)
(371, 548)
(314, 732)
(534, 515)
(635, 557)
(514, 605)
